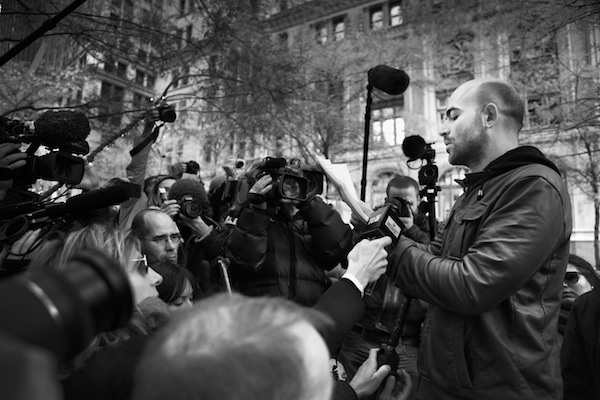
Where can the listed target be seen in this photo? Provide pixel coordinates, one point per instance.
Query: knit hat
(187, 187)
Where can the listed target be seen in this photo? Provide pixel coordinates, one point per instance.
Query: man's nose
(444, 130)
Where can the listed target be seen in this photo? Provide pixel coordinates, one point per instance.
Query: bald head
(484, 91)
(484, 117)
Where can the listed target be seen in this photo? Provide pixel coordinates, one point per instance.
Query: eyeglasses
(163, 240)
(571, 277)
(143, 267)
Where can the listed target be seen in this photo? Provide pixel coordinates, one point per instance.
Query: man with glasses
(159, 235)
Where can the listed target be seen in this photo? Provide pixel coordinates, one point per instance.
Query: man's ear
(490, 112)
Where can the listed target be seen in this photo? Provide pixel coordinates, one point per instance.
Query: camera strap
(149, 139)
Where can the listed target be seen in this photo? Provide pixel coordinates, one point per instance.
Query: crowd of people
(235, 299)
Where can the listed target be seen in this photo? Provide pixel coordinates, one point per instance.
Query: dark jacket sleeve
(342, 303)
(579, 351)
(331, 237)
(343, 391)
(247, 243)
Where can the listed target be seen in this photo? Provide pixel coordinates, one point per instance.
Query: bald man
(494, 276)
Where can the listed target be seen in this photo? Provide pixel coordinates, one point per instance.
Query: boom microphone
(389, 80)
(92, 201)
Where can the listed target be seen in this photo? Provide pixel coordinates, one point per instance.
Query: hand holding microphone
(367, 261)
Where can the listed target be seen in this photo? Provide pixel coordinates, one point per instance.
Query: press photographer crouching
(286, 236)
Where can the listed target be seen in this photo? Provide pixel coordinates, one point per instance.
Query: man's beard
(472, 149)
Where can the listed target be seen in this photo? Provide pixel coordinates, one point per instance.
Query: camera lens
(291, 188)
(63, 311)
(191, 207)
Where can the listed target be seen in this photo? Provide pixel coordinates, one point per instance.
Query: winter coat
(274, 254)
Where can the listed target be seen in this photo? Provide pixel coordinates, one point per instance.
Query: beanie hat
(187, 187)
(215, 183)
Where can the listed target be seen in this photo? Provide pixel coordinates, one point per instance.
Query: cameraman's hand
(368, 378)
(257, 192)
(408, 221)
(171, 207)
(11, 158)
(22, 246)
(367, 261)
(393, 390)
(152, 116)
(197, 225)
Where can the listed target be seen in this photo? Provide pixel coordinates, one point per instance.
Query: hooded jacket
(494, 279)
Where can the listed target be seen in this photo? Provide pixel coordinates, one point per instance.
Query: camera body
(190, 207)
(192, 167)
(289, 181)
(166, 112)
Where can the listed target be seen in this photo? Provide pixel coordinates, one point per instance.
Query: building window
(138, 101)
(376, 18)
(283, 39)
(112, 95)
(388, 126)
(188, 34)
(395, 14)
(441, 104)
(178, 37)
(321, 33)
(139, 77)
(339, 28)
(182, 6)
(109, 65)
(122, 70)
(150, 81)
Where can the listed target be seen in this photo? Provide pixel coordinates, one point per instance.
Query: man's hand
(11, 158)
(393, 391)
(23, 245)
(368, 377)
(197, 225)
(367, 261)
(171, 207)
(258, 191)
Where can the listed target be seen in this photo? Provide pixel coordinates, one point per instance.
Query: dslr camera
(289, 181)
(190, 207)
(166, 113)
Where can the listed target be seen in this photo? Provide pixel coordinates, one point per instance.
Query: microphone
(65, 129)
(91, 201)
(387, 79)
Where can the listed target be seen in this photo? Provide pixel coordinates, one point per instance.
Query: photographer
(203, 240)
(281, 246)
(136, 173)
(382, 304)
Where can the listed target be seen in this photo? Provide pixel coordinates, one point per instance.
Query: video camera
(63, 132)
(17, 218)
(288, 179)
(63, 311)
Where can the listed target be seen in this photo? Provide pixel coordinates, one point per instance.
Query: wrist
(356, 281)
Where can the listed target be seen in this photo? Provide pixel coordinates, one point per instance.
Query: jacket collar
(510, 160)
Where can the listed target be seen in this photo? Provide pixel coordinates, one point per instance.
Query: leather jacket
(494, 279)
